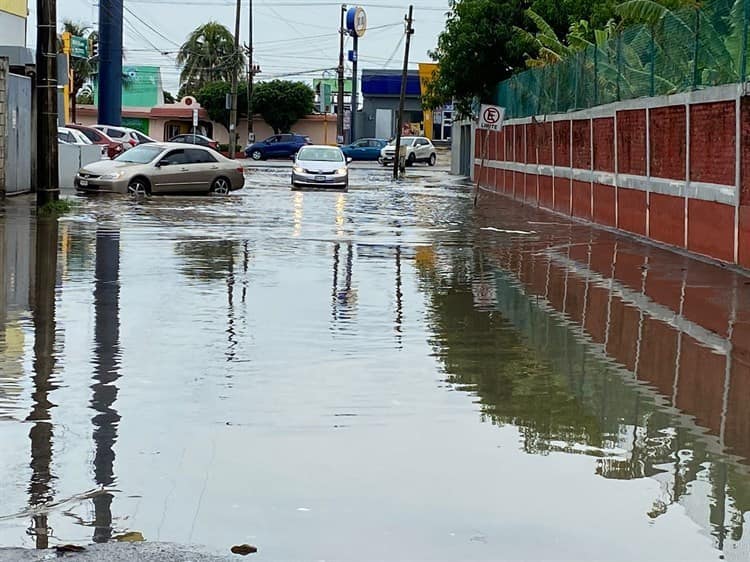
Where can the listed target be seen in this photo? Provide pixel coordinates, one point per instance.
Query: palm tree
(83, 69)
(208, 55)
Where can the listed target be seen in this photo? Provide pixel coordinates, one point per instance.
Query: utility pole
(235, 80)
(340, 104)
(110, 62)
(355, 100)
(48, 188)
(404, 76)
(250, 76)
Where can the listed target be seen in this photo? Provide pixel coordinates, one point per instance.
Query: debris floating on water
(244, 549)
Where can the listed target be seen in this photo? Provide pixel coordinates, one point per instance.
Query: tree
(208, 55)
(212, 98)
(282, 103)
(478, 48)
(168, 97)
(83, 69)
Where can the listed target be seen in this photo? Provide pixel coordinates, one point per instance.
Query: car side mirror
(349, 159)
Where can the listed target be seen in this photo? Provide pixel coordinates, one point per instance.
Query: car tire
(411, 159)
(432, 160)
(221, 186)
(381, 161)
(139, 187)
(256, 155)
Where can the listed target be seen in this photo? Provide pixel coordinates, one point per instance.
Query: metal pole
(355, 97)
(340, 102)
(110, 62)
(404, 77)
(235, 80)
(250, 76)
(46, 91)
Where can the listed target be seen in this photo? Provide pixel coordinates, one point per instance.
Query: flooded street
(386, 374)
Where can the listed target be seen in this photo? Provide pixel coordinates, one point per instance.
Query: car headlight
(299, 170)
(341, 172)
(112, 176)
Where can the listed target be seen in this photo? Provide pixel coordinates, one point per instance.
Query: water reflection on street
(383, 374)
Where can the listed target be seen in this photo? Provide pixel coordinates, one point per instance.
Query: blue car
(364, 149)
(277, 146)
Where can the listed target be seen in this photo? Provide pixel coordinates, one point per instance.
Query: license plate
(83, 182)
(320, 178)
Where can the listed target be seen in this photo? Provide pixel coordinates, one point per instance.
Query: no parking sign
(491, 117)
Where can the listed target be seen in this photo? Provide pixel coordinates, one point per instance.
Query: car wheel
(381, 161)
(139, 187)
(433, 159)
(256, 155)
(411, 159)
(221, 186)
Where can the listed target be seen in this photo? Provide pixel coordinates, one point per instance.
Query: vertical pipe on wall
(687, 171)
(737, 170)
(648, 172)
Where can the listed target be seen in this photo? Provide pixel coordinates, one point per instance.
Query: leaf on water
(64, 548)
(133, 536)
(244, 549)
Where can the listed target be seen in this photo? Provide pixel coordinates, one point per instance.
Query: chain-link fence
(683, 50)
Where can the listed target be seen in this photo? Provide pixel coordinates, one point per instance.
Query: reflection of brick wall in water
(625, 166)
(3, 120)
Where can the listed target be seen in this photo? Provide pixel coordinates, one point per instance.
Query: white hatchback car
(418, 149)
(125, 135)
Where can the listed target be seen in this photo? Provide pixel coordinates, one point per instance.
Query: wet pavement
(382, 374)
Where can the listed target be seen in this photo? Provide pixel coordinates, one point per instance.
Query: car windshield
(406, 141)
(320, 154)
(140, 154)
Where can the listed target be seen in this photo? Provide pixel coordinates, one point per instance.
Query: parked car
(321, 167)
(162, 168)
(66, 135)
(277, 146)
(364, 149)
(200, 140)
(418, 149)
(128, 137)
(114, 148)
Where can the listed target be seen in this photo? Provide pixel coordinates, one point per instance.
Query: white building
(13, 22)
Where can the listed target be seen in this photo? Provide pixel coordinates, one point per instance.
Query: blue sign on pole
(352, 56)
(356, 21)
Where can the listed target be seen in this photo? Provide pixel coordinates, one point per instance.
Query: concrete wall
(3, 120)
(370, 106)
(672, 169)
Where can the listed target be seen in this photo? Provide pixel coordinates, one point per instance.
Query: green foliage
(212, 97)
(208, 55)
(477, 49)
(56, 208)
(282, 103)
(168, 97)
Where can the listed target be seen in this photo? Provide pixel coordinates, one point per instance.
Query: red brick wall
(545, 192)
(562, 143)
(604, 144)
(582, 144)
(520, 143)
(712, 148)
(667, 133)
(631, 142)
(711, 229)
(582, 200)
(544, 140)
(562, 195)
(667, 219)
(631, 210)
(604, 204)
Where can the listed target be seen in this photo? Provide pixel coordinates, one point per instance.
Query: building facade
(13, 22)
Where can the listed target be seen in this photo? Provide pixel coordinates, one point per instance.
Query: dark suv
(277, 146)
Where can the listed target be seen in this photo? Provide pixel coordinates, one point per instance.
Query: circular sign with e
(356, 21)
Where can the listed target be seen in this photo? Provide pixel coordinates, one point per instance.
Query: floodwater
(386, 374)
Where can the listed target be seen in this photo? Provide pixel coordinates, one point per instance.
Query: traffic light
(94, 46)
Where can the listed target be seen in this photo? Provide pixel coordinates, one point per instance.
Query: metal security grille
(683, 50)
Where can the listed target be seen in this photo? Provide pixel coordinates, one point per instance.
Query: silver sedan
(321, 167)
(162, 168)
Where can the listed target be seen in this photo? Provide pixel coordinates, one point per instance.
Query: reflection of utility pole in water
(231, 330)
(399, 299)
(41, 435)
(346, 297)
(106, 372)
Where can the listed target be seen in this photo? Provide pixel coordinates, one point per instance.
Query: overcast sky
(292, 37)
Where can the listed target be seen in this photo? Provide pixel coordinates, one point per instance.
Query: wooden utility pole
(402, 99)
(340, 104)
(235, 80)
(47, 182)
(250, 76)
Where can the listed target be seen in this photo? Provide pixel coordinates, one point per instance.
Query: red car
(114, 148)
